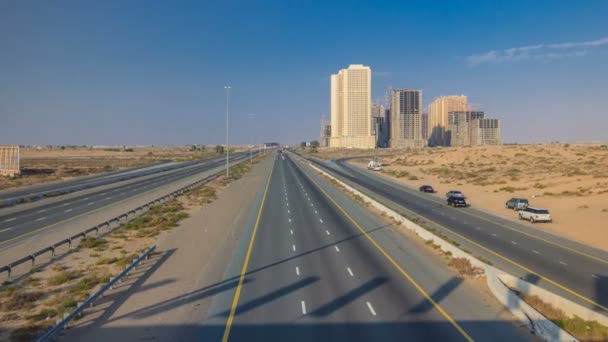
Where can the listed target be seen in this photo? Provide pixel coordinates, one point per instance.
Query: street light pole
(227, 130)
(251, 116)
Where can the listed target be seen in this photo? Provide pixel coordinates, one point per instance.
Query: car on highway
(427, 188)
(535, 215)
(374, 165)
(454, 193)
(456, 201)
(517, 203)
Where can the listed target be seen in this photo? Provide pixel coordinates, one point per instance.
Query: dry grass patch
(582, 329)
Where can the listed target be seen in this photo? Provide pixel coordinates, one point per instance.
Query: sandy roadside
(191, 267)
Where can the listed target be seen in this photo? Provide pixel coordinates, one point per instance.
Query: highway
(23, 194)
(15, 224)
(320, 267)
(573, 270)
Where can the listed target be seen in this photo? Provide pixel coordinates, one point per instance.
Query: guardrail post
(33, 259)
(52, 252)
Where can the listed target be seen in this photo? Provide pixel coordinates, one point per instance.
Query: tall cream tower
(351, 97)
(438, 117)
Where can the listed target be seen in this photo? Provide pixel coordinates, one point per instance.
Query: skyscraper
(406, 118)
(438, 117)
(459, 131)
(351, 108)
(486, 132)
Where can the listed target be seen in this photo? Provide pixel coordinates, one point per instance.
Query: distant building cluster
(356, 122)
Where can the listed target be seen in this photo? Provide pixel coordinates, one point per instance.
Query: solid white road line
(293, 247)
(303, 308)
(4, 230)
(67, 211)
(40, 219)
(350, 272)
(327, 232)
(11, 219)
(297, 270)
(371, 308)
(337, 249)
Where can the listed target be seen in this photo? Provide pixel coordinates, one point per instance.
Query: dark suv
(427, 188)
(456, 201)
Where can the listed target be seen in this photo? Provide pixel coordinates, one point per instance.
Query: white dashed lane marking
(337, 249)
(40, 219)
(371, 308)
(535, 251)
(293, 247)
(563, 263)
(291, 231)
(41, 211)
(297, 270)
(513, 242)
(67, 211)
(594, 276)
(350, 272)
(4, 230)
(11, 219)
(327, 232)
(320, 220)
(303, 308)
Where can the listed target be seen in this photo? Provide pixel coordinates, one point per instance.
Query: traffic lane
(270, 282)
(515, 227)
(33, 214)
(368, 287)
(15, 226)
(479, 314)
(188, 171)
(578, 273)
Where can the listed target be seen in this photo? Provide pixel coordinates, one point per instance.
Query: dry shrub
(465, 268)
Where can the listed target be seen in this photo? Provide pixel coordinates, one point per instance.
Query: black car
(456, 201)
(427, 188)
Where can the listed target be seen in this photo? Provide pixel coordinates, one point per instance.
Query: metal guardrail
(107, 224)
(62, 323)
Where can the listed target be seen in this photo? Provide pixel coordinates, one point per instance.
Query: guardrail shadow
(112, 300)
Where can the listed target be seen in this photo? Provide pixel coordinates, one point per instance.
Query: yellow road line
(550, 281)
(395, 264)
(237, 294)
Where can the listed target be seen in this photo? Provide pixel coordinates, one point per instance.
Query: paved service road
(571, 269)
(321, 268)
(20, 223)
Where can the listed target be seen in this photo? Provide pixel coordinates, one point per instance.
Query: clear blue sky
(153, 72)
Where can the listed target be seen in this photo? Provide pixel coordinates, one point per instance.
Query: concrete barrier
(499, 282)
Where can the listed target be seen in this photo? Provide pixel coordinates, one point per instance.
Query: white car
(374, 165)
(535, 215)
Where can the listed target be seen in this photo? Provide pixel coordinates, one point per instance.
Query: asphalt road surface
(571, 269)
(20, 223)
(322, 268)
